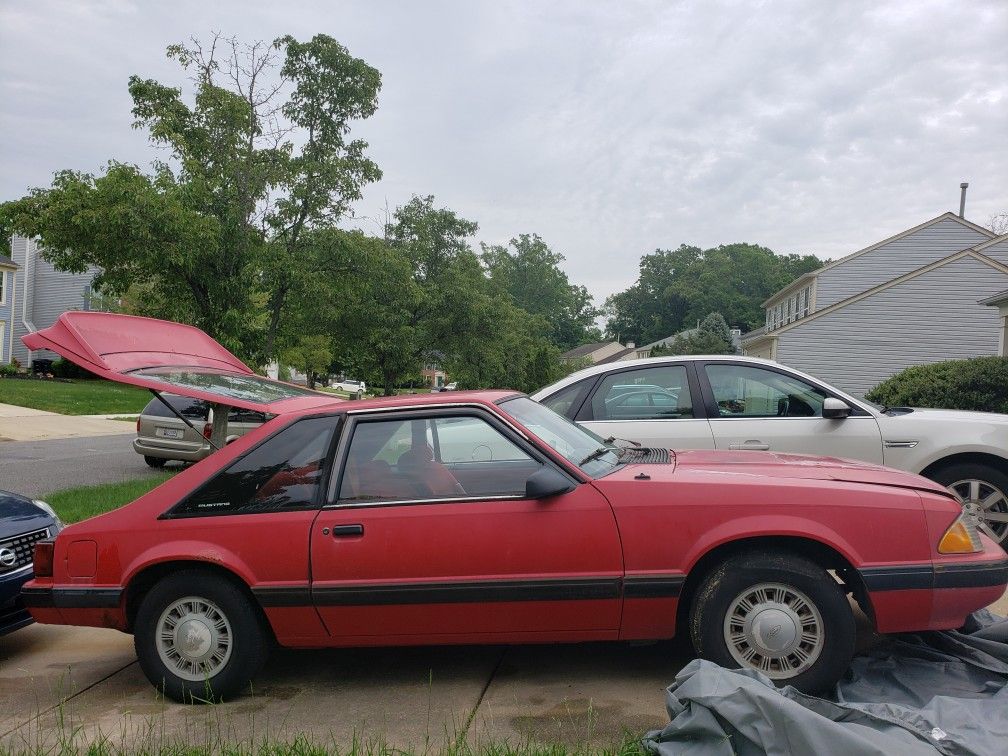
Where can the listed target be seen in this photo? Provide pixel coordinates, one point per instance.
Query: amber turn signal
(961, 538)
(42, 559)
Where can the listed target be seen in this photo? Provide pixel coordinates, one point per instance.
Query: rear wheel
(983, 492)
(777, 613)
(154, 461)
(198, 638)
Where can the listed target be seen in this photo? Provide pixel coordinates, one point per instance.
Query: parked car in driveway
(23, 523)
(740, 403)
(350, 385)
(484, 517)
(163, 436)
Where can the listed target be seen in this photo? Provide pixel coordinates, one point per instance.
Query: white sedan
(731, 402)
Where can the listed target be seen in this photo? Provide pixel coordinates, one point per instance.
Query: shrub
(8, 370)
(979, 383)
(65, 369)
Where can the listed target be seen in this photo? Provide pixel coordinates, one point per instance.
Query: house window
(3, 287)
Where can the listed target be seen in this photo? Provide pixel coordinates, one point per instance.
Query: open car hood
(167, 357)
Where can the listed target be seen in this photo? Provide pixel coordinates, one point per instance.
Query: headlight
(49, 511)
(962, 537)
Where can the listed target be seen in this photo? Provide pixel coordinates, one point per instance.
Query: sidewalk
(26, 424)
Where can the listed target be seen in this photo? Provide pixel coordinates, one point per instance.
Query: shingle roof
(584, 350)
(618, 356)
(8, 262)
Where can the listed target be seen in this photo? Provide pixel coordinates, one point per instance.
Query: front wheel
(198, 638)
(983, 493)
(779, 614)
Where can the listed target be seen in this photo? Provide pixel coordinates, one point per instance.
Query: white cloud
(609, 129)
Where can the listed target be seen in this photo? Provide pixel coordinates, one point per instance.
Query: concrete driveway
(82, 684)
(26, 424)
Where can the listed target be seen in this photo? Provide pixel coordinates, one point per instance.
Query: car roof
(406, 401)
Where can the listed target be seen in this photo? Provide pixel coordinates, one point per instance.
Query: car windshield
(580, 446)
(250, 388)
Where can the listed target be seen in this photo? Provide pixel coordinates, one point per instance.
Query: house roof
(585, 349)
(755, 333)
(944, 216)
(1000, 298)
(969, 252)
(6, 262)
(619, 355)
(668, 339)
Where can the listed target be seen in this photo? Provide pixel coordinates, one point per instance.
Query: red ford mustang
(485, 518)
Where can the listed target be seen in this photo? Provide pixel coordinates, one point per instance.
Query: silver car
(162, 436)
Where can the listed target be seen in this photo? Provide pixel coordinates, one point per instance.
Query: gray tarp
(931, 693)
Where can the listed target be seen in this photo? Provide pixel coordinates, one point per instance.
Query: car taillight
(207, 430)
(138, 426)
(962, 537)
(43, 558)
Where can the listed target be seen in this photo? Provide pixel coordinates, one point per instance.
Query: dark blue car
(23, 521)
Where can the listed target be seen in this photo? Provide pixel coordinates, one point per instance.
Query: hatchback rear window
(194, 409)
(249, 388)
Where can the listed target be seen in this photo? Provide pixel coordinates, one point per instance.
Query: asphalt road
(36, 468)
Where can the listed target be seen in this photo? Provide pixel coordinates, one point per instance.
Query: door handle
(751, 445)
(343, 531)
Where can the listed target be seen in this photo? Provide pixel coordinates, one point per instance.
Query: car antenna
(179, 415)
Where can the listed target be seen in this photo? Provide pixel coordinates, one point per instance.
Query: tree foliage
(712, 336)
(258, 156)
(676, 288)
(529, 272)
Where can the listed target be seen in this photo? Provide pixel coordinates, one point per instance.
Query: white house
(914, 298)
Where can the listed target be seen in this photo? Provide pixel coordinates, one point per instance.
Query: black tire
(990, 475)
(731, 578)
(249, 646)
(154, 461)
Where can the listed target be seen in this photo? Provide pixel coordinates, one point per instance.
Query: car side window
(564, 402)
(652, 393)
(750, 391)
(282, 473)
(432, 458)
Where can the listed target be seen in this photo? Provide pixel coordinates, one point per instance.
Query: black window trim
(711, 403)
(335, 483)
(586, 412)
(340, 422)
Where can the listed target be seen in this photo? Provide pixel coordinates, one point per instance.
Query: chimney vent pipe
(962, 199)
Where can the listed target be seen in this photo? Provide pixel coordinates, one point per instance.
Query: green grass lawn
(75, 397)
(76, 504)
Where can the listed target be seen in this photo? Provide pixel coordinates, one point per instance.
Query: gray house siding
(997, 251)
(43, 294)
(928, 318)
(893, 260)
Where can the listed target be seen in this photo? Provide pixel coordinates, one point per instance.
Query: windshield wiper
(595, 455)
(617, 438)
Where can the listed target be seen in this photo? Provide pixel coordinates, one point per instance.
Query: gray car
(162, 436)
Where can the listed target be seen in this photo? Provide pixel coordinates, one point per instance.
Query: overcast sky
(608, 128)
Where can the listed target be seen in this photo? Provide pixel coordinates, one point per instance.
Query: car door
(429, 535)
(637, 404)
(758, 407)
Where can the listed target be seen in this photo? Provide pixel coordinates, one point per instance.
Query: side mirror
(835, 409)
(546, 482)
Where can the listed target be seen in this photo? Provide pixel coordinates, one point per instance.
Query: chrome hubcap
(194, 638)
(986, 503)
(774, 628)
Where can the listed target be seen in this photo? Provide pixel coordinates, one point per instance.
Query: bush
(65, 369)
(979, 383)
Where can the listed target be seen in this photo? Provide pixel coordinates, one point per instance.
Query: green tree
(676, 288)
(214, 235)
(529, 272)
(712, 336)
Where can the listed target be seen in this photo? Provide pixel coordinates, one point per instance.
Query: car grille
(641, 455)
(23, 547)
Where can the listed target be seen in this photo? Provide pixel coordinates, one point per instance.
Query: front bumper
(936, 595)
(13, 612)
